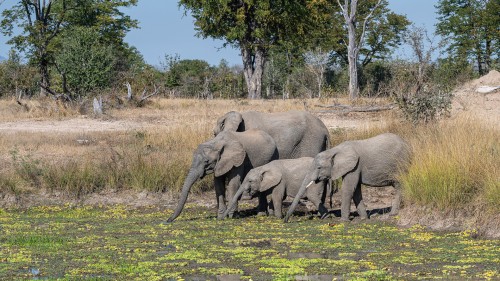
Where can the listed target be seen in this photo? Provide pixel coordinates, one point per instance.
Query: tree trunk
(487, 58)
(44, 74)
(479, 60)
(253, 69)
(352, 53)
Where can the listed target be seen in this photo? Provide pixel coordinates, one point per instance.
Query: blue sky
(164, 30)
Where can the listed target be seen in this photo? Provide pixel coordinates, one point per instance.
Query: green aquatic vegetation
(118, 243)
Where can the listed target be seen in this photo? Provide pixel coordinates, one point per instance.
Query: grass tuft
(453, 163)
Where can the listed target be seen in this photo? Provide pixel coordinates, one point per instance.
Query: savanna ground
(86, 197)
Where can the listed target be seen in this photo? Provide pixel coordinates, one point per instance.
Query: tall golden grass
(455, 162)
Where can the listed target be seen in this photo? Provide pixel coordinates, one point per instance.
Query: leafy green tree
(85, 62)
(190, 78)
(42, 22)
(471, 27)
(253, 26)
(17, 78)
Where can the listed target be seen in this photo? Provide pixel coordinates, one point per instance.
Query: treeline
(185, 78)
(76, 49)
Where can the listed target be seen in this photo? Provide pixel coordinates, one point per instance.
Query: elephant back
(259, 146)
(296, 133)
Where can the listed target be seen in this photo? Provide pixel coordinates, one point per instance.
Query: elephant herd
(255, 154)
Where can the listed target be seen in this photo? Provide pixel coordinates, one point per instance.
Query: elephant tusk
(309, 184)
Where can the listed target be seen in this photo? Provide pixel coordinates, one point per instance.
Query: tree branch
(362, 38)
(28, 13)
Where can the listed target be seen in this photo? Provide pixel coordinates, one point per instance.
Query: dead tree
(349, 10)
(98, 110)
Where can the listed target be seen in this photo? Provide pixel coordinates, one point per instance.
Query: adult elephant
(296, 133)
(375, 162)
(230, 155)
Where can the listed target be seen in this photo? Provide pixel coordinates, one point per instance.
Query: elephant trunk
(191, 178)
(232, 205)
(305, 184)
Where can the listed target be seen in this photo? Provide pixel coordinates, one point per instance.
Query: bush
(424, 106)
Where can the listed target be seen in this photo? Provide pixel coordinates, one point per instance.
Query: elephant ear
(231, 155)
(270, 178)
(229, 122)
(344, 161)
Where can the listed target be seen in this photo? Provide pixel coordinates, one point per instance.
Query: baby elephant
(374, 162)
(282, 178)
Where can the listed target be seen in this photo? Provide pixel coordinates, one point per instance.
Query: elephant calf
(374, 162)
(282, 178)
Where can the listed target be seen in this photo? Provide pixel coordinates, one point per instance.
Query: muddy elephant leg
(270, 208)
(396, 202)
(278, 203)
(358, 201)
(323, 212)
(232, 186)
(220, 192)
(319, 202)
(349, 184)
(262, 207)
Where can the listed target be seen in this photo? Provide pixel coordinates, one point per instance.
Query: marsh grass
(120, 243)
(454, 163)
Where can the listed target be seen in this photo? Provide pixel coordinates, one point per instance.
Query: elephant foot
(345, 220)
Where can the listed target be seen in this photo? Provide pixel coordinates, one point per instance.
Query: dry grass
(455, 162)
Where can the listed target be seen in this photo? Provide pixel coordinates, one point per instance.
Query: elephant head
(217, 156)
(333, 164)
(258, 180)
(231, 121)
(329, 164)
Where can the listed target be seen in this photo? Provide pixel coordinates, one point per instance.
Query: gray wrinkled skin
(230, 155)
(373, 162)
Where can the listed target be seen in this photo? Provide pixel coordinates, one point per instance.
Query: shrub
(424, 106)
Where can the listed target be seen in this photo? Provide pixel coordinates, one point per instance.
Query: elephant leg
(319, 202)
(270, 208)
(220, 191)
(396, 202)
(262, 207)
(349, 184)
(232, 186)
(277, 203)
(358, 201)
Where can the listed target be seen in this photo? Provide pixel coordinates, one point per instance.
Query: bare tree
(417, 38)
(316, 62)
(349, 10)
